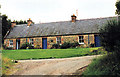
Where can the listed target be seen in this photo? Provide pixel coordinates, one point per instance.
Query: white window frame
(11, 42)
(31, 41)
(58, 40)
(80, 39)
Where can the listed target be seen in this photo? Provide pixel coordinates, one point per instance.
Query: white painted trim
(81, 42)
(9, 44)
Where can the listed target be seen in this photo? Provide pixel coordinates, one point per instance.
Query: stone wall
(37, 42)
(52, 40)
(71, 39)
(6, 42)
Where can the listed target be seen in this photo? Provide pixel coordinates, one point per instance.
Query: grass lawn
(46, 53)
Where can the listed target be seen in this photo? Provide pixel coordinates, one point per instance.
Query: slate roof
(59, 28)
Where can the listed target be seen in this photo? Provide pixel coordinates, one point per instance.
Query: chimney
(73, 17)
(29, 22)
(13, 24)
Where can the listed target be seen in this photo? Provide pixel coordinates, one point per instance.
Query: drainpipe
(88, 40)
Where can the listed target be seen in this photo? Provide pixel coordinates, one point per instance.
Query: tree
(110, 36)
(118, 7)
(5, 25)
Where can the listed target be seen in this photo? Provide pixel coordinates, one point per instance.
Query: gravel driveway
(64, 66)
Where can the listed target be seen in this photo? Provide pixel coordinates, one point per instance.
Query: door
(97, 41)
(18, 44)
(44, 43)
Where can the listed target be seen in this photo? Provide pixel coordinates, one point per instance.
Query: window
(31, 41)
(51, 40)
(58, 40)
(11, 42)
(81, 39)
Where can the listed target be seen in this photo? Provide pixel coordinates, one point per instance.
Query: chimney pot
(29, 22)
(13, 24)
(73, 17)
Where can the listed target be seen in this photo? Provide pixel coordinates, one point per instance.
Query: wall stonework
(52, 40)
(70, 39)
(37, 42)
(22, 41)
(6, 42)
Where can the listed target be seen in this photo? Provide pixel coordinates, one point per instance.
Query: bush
(9, 48)
(4, 46)
(37, 47)
(110, 36)
(24, 46)
(92, 45)
(104, 65)
(74, 44)
(66, 45)
(56, 46)
(69, 45)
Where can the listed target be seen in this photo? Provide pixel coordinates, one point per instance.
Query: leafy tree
(118, 7)
(5, 25)
(110, 36)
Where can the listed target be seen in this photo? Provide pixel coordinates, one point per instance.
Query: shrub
(69, 45)
(110, 36)
(56, 46)
(9, 48)
(92, 45)
(74, 44)
(37, 47)
(4, 46)
(25, 45)
(104, 65)
(66, 45)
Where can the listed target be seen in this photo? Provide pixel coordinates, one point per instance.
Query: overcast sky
(56, 10)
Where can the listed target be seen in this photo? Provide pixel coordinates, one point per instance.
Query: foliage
(21, 22)
(110, 36)
(56, 46)
(7, 48)
(118, 7)
(5, 25)
(69, 45)
(37, 47)
(104, 65)
(65, 45)
(27, 45)
(6, 65)
(47, 53)
(92, 45)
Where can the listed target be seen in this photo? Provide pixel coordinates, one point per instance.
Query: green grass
(46, 53)
(7, 65)
(105, 65)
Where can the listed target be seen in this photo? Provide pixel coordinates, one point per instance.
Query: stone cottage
(84, 31)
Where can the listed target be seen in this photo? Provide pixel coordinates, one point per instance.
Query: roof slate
(59, 28)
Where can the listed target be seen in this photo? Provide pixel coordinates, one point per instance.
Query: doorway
(44, 43)
(18, 44)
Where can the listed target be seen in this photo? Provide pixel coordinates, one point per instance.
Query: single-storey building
(84, 31)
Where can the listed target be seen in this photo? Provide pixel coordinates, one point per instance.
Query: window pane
(81, 39)
(58, 40)
(11, 42)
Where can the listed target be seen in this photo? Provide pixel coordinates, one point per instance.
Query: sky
(43, 11)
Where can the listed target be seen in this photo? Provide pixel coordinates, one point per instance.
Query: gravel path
(65, 66)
